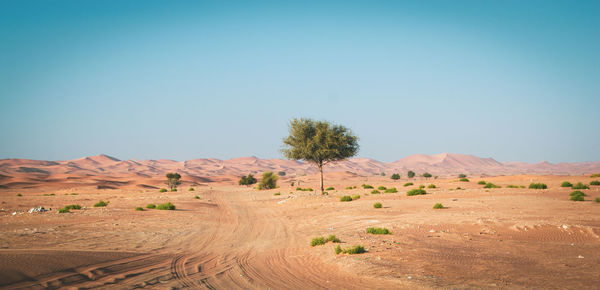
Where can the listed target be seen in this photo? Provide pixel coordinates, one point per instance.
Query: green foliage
(63, 210)
(377, 205)
(338, 250)
(318, 241)
(538, 186)
(162, 190)
(330, 188)
(346, 198)
(18, 194)
(481, 182)
(247, 180)
(597, 199)
(491, 185)
(277, 193)
(410, 174)
(173, 180)
(464, 180)
(416, 192)
(196, 197)
(268, 181)
(378, 231)
(375, 191)
(333, 239)
(421, 186)
(166, 206)
(595, 182)
(173, 189)
(595, 175)
(139, 208)
(512, 186)
(356, 196)
(281, 173)
(73, 206)
(427, 175)
(395, 176)
(366, 186)
(438, 206)
(382, 188)
(408, 184)
(566, 184)
(580, 185)
(358, 249)
(462, 175)
(431, 186)
(391, 190)
(351, 187)
(151, 206)
(191, 189)
(101, 203)
(577, 198)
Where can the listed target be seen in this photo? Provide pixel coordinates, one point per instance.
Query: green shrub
(377, 205)
(268, 181)
(391, 190)
(318, 241)
(358, 249)
(577, 192)
(191, 189)
(73, 206)
(277, 193)
(166, 206)
(514, 186)
(595, 182)
(63, 210)
(577, 198)
(595, 175)
(333, 239)
(538, 186)
(416, 192)
(139, 208)
(366, 186)
(18, 194)
(491, 185)
(375, 191)
(462, 175)
(431, 186)
(247, 180)
(338, 250)
(281, 173)
(101, 203)
(408, 184)
(346, 198)
(580, 185)
(196, 197)
(330, 188)
(421, 186)
(438, 206)
(151, 206)
(304, 189)
(395, 176)
(378, 231)
(173, 189)
(597, 199)
(162, 190)
(464, 180)
(427, 175)
(356, 196)
(382, 188)
(566, 184)
(481, 182)
(351, 187)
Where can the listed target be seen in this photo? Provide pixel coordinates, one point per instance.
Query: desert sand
(235, 236)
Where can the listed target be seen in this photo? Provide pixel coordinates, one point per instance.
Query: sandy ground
(237, 237)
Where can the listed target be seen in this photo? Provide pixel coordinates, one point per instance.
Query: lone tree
(319, 142)
(268, 181)
(173, 179)
(395, 176)
(247, 180)
(411, 174)
(427, 175)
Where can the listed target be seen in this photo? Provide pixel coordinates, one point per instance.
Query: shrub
(481, 182)
(247, 180)
(73, 206)
(491, 185)
(196, 197)
(375, 191)
(410, 174)
(595, 175)
(382, 188)
(391, 190)
(464, 180)
(268, 181)
(18, 194)
(338, 250)
(346, 198)
(281, 173)
(421, 186)
(101, 203)
(139, 208)
(277, 193)
(330, 188)
(597, 199)
(512, 186)
(356, 196)
(318, 241)
(173, 189)
(378, 231)
(377, 205)
(304, 189)
(351, 187)
(577, 192)
(566, 184)
(438, 206)
(166, 206)
(63, 210)
(462, 175)
(580, 185)
(333, 239)
(408, 184)
(395, 176)
(595, 182)
(538, 186)
(431, 186)
(366, 186)
(358, 249)
(162, 190)
(577, 198)
(191, 189)
(151, 206)
(427, 175)
(416, 192)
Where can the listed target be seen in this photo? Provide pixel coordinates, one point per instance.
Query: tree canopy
(173, 179)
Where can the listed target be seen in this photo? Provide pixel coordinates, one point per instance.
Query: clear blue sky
(512, 80)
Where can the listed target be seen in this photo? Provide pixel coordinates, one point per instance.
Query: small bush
(330, 188)
(351, 187)
(438, 206)
(356, 196)
(577, 192)
(421, 186)
(377, 205)
(382, 188)
(514, 186)
(431, 186)
(391, 190)
(378, 231)
(18, 194)
(318, 241)
(595, 182)
(566, 184)
(395, 176)
(281, 173)
(268, 181)
(166, 206)
(538, 186)
(577, 198)
(247, 180)
(464, 180)
(375, 191)
(173, 189)
(162, 190)
(73, 206)
(304, 189)
(358, 249)
(151, 206)
(491, 185)
(333, 239)
(139, 208)
(277, 193)
(481, 182)
(408, 184)
(101, 203)
(580, 185)
(338, 250)
(191, 189)
(462, 175)
(595, 175)
(196, 197)
(346, 198)
(597, 199)
(416, 192)
(366, 186)
(63, 210)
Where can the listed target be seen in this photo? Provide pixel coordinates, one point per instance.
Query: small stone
(580, 257)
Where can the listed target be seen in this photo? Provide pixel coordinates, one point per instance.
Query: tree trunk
(321, 170)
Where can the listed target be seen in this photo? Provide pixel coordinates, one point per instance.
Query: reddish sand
(237, 237)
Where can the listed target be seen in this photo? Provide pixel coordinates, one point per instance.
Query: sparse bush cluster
(395, 176)
(351, 187)
(151, 206)
(382, 188)
(595, 182)
(438, 206)
(595, 175)
(416, 192)
(101, 203)
(375, 191)
(577, 195)
(139, 208)
(538, 186)
(277, 193)
(431, 186)
(481, 182)
(356, 196)
(162, 190)
(462, 175)
(268, 181)
(464, 180)
(346, 198)
(408, 184)
(303, 189)
(330, 188)
(247, 180)
(358, 249)
(580, 185)
(378, 231)
(322, 240)
(377, 205)
(491, 185)
(366, 186)
(391, 190)
(515, 186)
(67, 208)
(566, 184)
(166, 206)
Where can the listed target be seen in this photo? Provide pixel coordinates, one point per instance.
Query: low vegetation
(162, 190)
(191, 189)
(580, 185)
(595, 182)
(438, 206)
(356, 196)
(538, 186)
(597, 199)
(378, 231)
(382, 188)
(166, 206)
(395, 176)
(358, 249)
(351, 187)
(366, 186)
(73, 206)
(462, 175)
(303, 189)
(173, 189)
(515, 186)
(63, 210)
(18, 194)
(595, 175)
(139, 208)
(247, 180)
(416, 192)
(101, 203)
(196, 197)
(491, 185)
(322, 240)
(481, 182)
(330, 188)
(427, 175)
(464, 180)
(566, 184)
(408, 184)
(391, 190)
(277, 193)
(333, 239)
(150, 206)
(346, 198)
(431, 186)
(375, 191)
(577, 196)
(377, 205)
(268, 181)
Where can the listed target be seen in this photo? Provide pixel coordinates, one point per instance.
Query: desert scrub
(515, 186)
(595, 175)
(577, 192)
(377, 205)
(166, 206)
(580, 185)
(491, 185)
(18, 194)
(356, 196)
(73, 206)
(330, 188)
(173, 189)
(338, 250)
(191, 189)
(318, 241)
(391, 190)
(346, 198)
(303, 189)
(462, 175)
(481, 182)
(408, 184)
(63, 210)
(421, 186)
(595, 182)
(464, 180)
(566, 184)
(162, 190)
(150, 206)
(375, 191)
(358, 249)
(366, 186)
(351, 187)
(597, 199)
(378, 231)
(577, 195)
(277, 193)
(538, 186)
(333, 239)
(196, 197)
(101, 203)
(431, 186)
(382, 188)
(438, 206)
(416, 192)
(139, 208)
